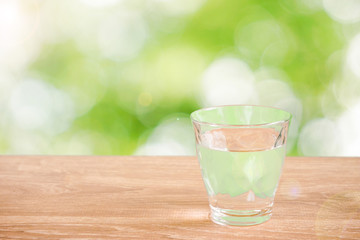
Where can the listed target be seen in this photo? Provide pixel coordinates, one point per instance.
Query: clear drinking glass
(241, 151)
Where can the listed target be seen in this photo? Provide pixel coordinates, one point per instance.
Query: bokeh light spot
(176, 7)
(319, 137)
(100, 3)
(263, 42)
(145, 99)
(344, 11)
(353, 55)
(349, 134)
(17, 23)
(122, 36)
(228, 80)
(173, 136)
(35, 105)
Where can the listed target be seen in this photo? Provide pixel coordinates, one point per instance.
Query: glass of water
(241, 151)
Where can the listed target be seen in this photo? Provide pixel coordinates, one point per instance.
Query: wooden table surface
(113, 197)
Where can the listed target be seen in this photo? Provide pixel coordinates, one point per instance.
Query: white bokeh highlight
(319, 137)
(338, 137)
(173, 136)
(18, 28)
(228, 80)
(122, 36)
(349, 131)
(343, 11)
(100, 3)
(36, 105)
(353, 55)
(175, 7)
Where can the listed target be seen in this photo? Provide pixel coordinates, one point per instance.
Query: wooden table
(53, 197)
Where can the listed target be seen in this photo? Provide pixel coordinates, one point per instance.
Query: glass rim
(239, 125)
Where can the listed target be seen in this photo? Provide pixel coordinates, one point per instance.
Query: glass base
(239, 218)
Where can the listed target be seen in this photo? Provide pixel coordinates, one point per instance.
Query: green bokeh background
(119, 100)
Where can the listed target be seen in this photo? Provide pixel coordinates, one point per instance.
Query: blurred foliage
(119, 101)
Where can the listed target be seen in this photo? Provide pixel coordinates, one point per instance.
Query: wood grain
(53, 197)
